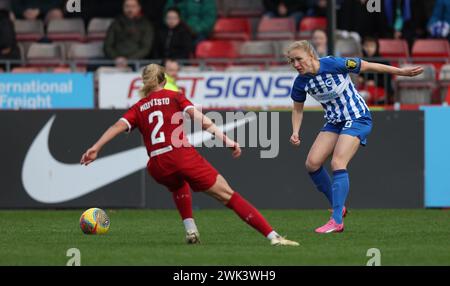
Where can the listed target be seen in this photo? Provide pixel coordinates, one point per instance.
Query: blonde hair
(302, 45)
(152, 76)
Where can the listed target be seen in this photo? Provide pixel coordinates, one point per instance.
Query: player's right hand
(89, 156)
(236, 150)
(295, 140)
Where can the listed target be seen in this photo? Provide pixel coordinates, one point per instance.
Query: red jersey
(159, 118)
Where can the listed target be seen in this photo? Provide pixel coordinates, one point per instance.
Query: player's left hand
(411, 71)
(89, 156)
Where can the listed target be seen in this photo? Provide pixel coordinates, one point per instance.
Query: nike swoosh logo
(47, 180)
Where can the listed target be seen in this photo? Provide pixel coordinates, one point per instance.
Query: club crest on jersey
(351, 64)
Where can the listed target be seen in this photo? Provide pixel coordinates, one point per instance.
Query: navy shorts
(360, 128)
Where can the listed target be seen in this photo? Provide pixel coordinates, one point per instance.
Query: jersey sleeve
(347, 65)
(184, 103)
(130, 118)
(298, 94)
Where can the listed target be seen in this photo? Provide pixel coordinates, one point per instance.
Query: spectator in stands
(8, 44)
(38, 9)
(377, 84)
(172, 68)
(130, 35)
(399, 18)
(439, 23)
(199, 15)
(319, 40)
(175, 39)
(353, 16)
(53, 14)
(101, 9)
(5, 5)
(287, 8)
(319, 9)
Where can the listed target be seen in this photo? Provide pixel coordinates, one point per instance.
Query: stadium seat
(29, 30)
(281, 47)
(281, 68)
(83, 51)
(312, 23)
(276, 29)
(239, 8)
(97, 28)
(217, 49)
(257, 49)
(243, 68)
(65, 69)
(309, 24)
(347, 47)
(393, 49)
(444, 83)
(419, 89)
(66, 30)
(432, 51)
(232, 29)
(45, 54)
(431, 48)
(22, 50)
(27, 70)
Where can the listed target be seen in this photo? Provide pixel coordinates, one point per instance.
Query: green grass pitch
(156, 237)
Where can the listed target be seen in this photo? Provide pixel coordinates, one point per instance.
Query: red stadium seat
(276, 29)
(232, 29)
(309, 24)
(432, 51)
(217, 49)
(221, 51)
(312, 23)
(390, 48)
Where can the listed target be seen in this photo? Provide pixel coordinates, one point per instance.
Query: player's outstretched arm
(91, 154)
(297, 118)
(381, 68)
(209, 126)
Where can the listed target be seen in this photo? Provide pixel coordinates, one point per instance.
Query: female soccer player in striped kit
(173, 162)
(348, 119)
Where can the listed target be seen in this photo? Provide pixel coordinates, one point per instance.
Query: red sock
(249, 214)
(183, 200)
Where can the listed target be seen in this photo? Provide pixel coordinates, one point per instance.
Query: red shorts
(173, 169)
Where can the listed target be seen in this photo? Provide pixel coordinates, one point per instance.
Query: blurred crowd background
(228, 35)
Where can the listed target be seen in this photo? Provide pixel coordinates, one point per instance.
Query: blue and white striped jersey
(333, 88)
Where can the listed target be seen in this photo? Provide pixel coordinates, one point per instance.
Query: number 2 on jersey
(154, 139)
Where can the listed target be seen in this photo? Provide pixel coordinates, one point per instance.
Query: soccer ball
(94, 221)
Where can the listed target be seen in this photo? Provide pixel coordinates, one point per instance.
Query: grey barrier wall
(388, 173)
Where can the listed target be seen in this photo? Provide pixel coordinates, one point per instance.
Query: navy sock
(322, 182)
(340, 188)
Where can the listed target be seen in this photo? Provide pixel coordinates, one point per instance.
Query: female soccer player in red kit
(173, 162)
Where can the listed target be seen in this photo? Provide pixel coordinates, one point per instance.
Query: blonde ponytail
(152, 76)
